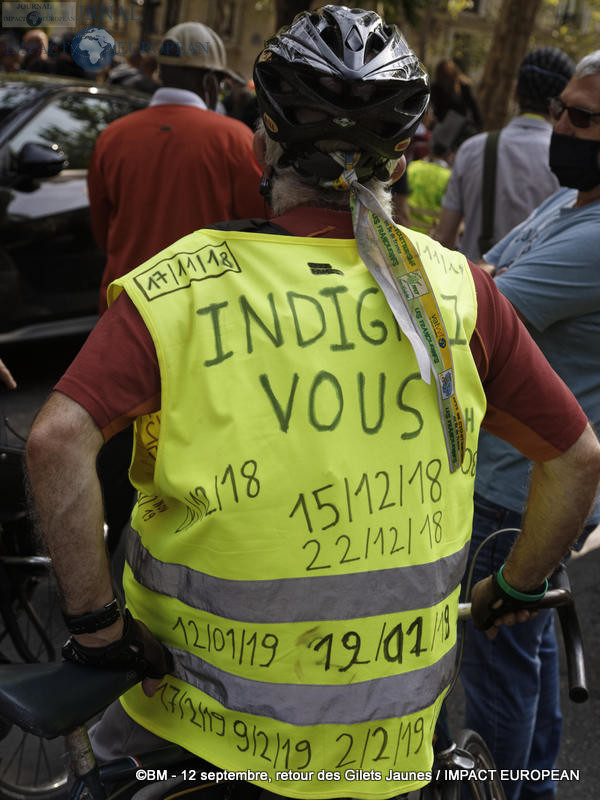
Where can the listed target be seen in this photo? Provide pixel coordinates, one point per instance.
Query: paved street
(37, 367)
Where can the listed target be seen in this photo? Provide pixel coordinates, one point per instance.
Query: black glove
(137, 650)
(490, 601)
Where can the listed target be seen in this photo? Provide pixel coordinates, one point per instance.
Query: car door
(50, 267)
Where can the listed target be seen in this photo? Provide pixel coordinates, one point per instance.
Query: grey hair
(289, 190)
(589, 65)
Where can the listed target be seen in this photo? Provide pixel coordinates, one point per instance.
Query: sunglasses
(579, 117)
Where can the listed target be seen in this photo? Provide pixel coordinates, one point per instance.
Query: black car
(50, 267)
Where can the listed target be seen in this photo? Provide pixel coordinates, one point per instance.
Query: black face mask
(574, 161)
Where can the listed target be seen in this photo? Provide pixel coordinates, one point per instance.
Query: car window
(16, 95)
(125, 105)
(73, 122)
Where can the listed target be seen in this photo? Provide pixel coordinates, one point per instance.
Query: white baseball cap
(192, 44)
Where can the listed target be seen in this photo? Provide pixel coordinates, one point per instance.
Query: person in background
(61, 62)
(146, 80)
(428, 176)
(36, 49)
(522, 175)
(417, 149)
(11, 55)
(240, 102)
(452, 90)
(128, 69)
(159, 174)
(549, 272)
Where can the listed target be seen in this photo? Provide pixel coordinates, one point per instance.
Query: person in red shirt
(159, 174)
(176, 166)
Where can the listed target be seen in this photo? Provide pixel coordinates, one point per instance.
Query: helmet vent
(341, 73)
(375, 44)
(332, 39)
(354, 40)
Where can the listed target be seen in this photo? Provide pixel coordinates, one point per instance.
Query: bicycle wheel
(486, 785)
(31, 767)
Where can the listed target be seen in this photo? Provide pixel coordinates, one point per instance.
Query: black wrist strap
(93, 621)
(515, 594)
(503, 601)
(137, 649)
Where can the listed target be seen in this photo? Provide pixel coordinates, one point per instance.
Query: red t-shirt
(161, 173)
(116, 378)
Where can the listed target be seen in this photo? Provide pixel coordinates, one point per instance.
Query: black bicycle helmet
(357, 77)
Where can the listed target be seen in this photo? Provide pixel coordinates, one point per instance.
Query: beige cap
(192, 44)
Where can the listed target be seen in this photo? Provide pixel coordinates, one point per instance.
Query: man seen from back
(176, 166)
(307, 393)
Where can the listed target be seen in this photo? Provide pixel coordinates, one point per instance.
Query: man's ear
(400, 169)
(259, 145)
(210, 89)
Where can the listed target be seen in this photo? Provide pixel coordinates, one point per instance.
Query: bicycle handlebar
(559, 596)
(51, 699)
(572, 639)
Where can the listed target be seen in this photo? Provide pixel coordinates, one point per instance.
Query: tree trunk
(286, 10)
(512, 32)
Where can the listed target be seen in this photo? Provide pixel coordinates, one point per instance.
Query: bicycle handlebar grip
(569, 623)
(573, 641)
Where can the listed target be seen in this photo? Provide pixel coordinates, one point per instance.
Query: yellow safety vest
(298, 540)
(427, 183)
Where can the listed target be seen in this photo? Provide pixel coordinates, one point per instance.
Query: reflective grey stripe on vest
(362, 594)
(394, 696)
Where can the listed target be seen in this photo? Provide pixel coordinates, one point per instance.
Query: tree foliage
(574, 26)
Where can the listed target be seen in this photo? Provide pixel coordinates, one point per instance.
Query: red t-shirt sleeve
(115, 375)
(528, 403)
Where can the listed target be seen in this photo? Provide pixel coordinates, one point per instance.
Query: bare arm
(61, 458)
(561, 494)
(447, 228)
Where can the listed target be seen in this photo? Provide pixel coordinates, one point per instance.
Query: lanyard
(398, 269)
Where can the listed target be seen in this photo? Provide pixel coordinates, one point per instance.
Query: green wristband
(525, 597)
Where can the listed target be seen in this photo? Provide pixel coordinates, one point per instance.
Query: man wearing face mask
(548, 268)
(176, 166)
